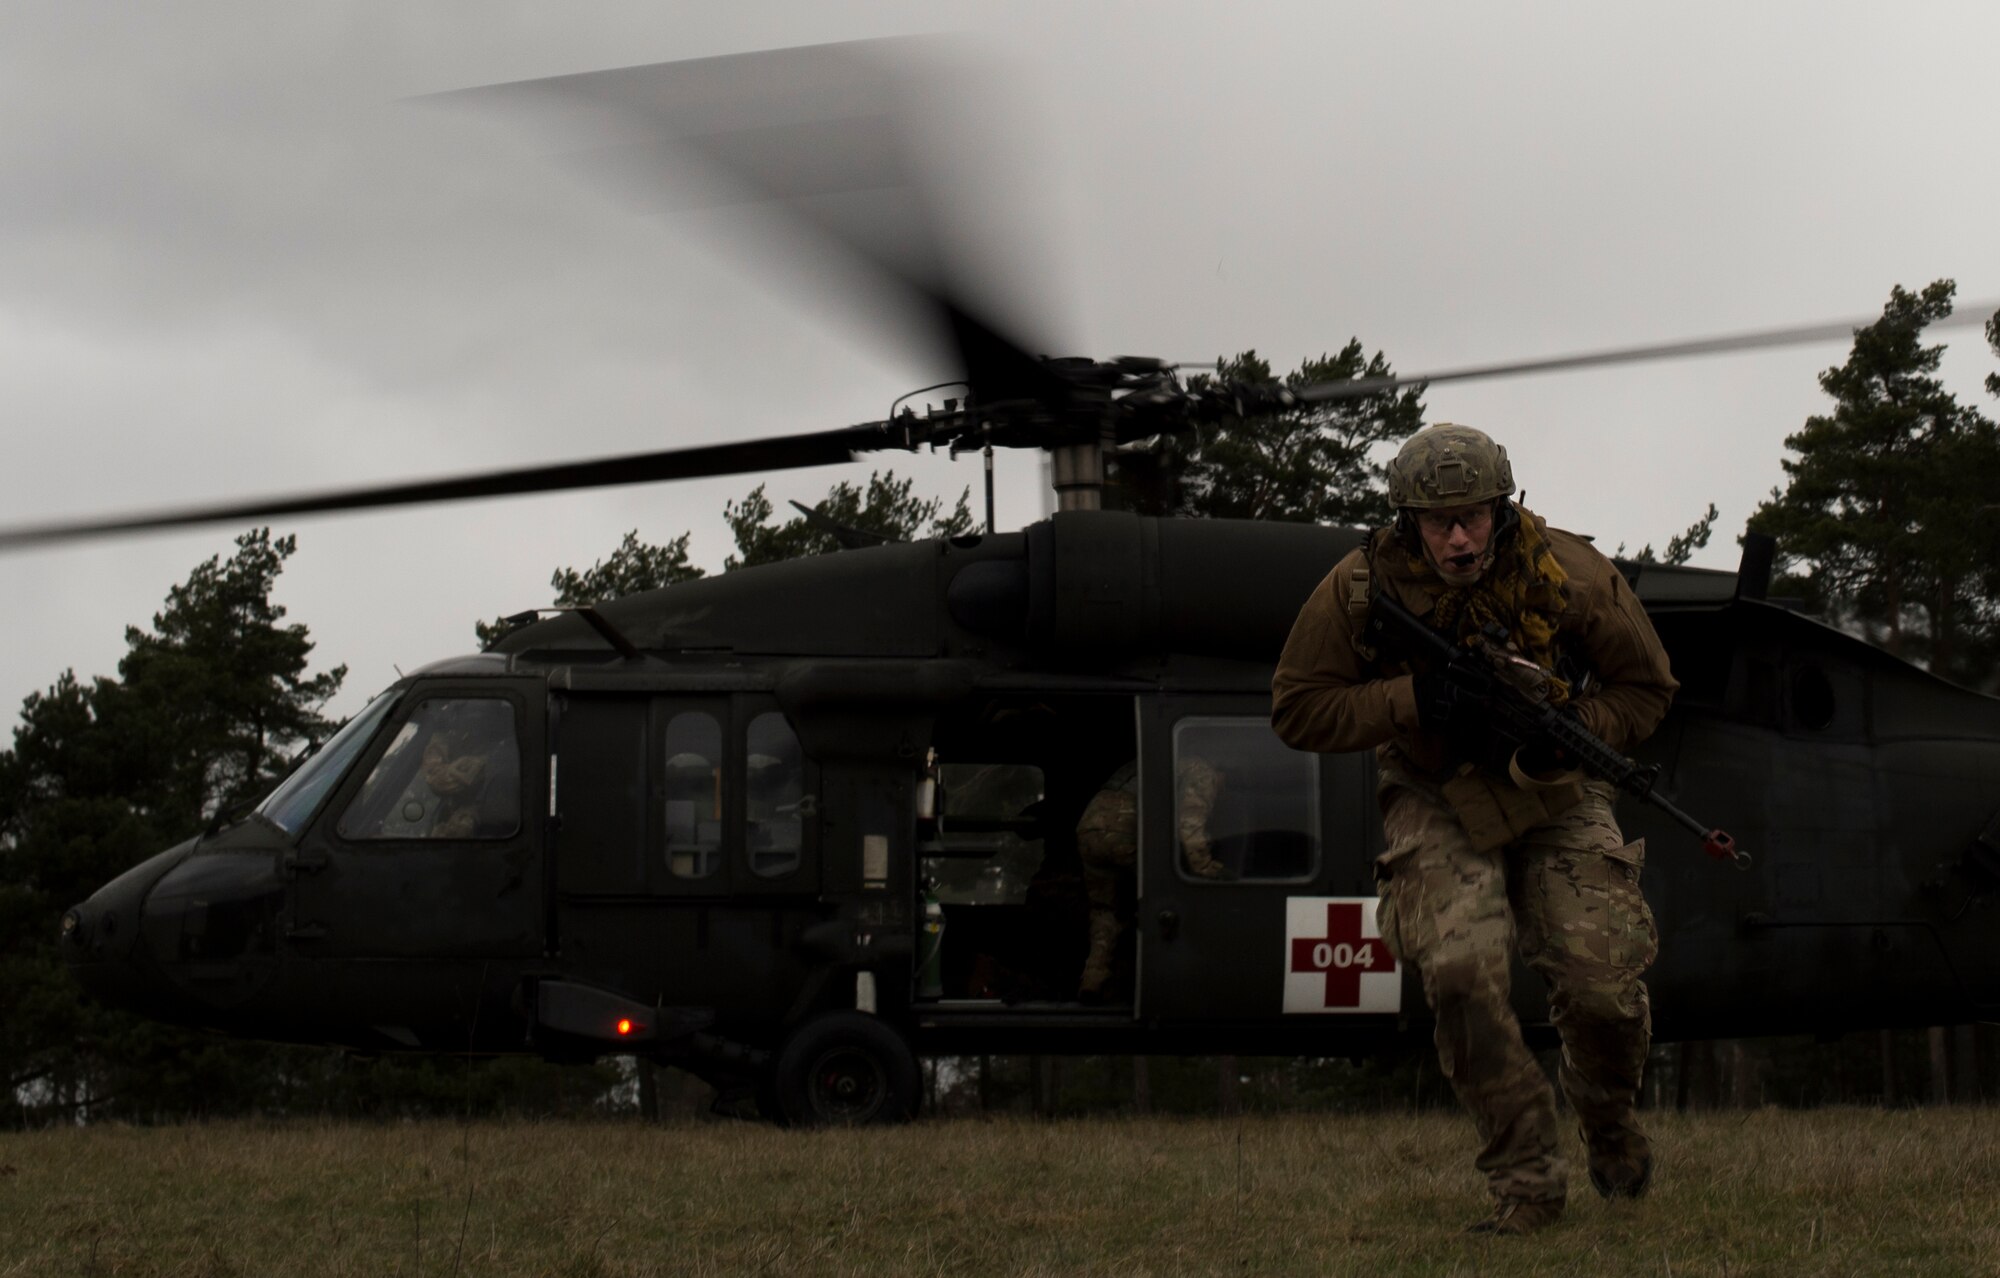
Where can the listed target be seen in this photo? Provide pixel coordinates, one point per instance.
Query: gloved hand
(1444, 701)
(1541, 758)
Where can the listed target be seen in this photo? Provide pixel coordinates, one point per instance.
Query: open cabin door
(1006, 892)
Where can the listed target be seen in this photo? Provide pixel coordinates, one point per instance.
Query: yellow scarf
(1522, 593)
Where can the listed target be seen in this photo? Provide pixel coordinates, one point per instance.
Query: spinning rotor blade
(1761, 339)
(816, 144)
(812, 149)
(785, 452)
(792, 133)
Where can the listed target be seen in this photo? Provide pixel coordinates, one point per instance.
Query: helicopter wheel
(844, 1069)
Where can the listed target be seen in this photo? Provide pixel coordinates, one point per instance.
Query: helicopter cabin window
(693, 788)
(775, 777)
(453, 772)
(1246, 806)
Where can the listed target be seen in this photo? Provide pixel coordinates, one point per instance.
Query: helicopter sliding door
(1244, 841)
(685, 841)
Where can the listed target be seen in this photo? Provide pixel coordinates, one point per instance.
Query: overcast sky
(234, 260)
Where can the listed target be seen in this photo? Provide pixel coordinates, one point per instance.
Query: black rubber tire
(846, 1069)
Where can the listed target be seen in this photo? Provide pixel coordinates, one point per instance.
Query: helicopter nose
(100, 937)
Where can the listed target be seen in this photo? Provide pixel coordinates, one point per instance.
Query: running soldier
(1490, 855)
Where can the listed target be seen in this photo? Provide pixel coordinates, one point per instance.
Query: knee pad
(1599, 995)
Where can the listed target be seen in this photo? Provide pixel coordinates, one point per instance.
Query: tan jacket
(1327, 697)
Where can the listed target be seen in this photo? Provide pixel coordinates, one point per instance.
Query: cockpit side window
(453, 772)
(693, 788)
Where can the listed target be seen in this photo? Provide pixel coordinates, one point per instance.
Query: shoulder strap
(1360, 594)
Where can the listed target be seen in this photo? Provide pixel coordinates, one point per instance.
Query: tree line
(1888, 524)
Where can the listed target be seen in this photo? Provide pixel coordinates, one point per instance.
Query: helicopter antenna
(987, 453)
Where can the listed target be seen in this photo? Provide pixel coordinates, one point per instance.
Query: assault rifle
(1513, 691)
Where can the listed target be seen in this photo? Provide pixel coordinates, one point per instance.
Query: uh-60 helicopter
(793, 827)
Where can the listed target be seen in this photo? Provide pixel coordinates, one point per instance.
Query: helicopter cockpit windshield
(291, 805)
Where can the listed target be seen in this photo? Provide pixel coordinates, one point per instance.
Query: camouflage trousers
(1566, 896)
(1107, 842)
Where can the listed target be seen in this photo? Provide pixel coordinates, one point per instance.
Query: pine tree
(1993, 340)
(1681, 546)
(885, 509)
(1881, 523)
(634, 566)
(206, 712)
(218, 696)
(1317, 463)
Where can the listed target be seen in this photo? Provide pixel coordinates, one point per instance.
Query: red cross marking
(1342, 954)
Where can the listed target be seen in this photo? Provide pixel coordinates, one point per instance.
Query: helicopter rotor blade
(1760, 339)
(789, 133)
(799, 140)
(793, 138)
(784, 452)
(825, 448)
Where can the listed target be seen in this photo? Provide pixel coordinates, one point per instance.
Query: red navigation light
(624, 1025)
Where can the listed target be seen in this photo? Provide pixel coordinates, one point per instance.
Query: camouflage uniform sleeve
(1322, 698)
(1199, 784)
(1636, 683)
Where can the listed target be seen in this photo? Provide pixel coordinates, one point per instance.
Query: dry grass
(1836, 1192)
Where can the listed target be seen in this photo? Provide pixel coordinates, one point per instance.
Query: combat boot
(1514, 1217)
(1621, 1162)
(1104, 932)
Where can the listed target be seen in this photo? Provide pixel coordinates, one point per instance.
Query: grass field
(1765, 1192)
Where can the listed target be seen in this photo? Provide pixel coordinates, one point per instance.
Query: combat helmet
(1447, 465)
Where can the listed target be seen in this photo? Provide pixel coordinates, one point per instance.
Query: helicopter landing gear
(843, 1069)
